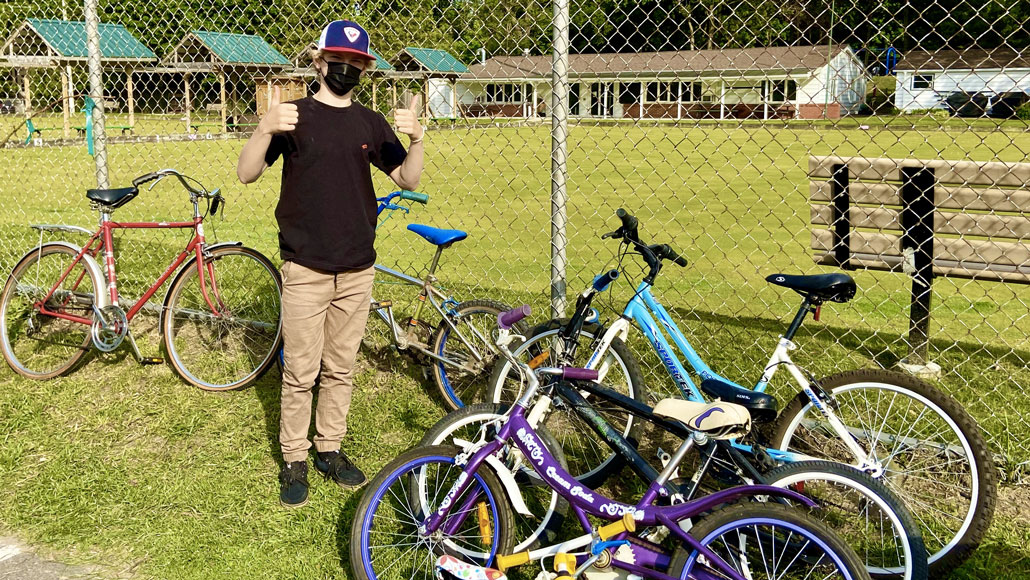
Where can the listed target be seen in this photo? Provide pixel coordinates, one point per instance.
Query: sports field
(126, 466)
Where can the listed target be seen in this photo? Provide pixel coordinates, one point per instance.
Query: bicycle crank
(109, 328)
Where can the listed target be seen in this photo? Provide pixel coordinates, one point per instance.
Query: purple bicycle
(441, 512)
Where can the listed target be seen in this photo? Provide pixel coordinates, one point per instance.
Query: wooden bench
(926, 218)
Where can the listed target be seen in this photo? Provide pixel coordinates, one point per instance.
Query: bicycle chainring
(109, 328)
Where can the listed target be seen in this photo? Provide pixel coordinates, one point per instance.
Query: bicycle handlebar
(653, 254)
(602, 281)
(510, 318)
(415, 196)
(161, 174)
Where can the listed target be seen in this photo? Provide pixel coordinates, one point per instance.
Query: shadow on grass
(876, 345)
(343, 527)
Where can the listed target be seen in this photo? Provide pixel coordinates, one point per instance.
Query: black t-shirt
(327, 207)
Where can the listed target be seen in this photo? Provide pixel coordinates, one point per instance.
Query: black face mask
(342, 77)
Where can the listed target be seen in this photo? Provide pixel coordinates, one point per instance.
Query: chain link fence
(756, 138)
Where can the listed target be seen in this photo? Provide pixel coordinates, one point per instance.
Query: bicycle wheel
(547, 507)
(763, 541)
(40, 346)
(926, 449)
(472, 348)
(590, 460)
(871, 519)
(385, 542)
(228, 342)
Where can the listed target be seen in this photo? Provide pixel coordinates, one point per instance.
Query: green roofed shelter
(61, 44)
(204, 52)
(439, 70)
(430, 62)
(49, 43)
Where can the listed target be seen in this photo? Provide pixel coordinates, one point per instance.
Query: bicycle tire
(462, 388)
(19, 323)
(420, 459)
(542, 533)
(590, 459)
(746, 516)
(222, 353)
(900, 555)
(978, 479)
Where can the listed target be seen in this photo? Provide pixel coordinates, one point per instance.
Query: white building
(926, 79)
(808, 82)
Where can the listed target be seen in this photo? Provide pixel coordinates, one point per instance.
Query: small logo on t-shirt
(364, 145)
(352, 33)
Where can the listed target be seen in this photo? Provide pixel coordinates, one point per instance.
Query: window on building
(691, 92)
(922, 82)
(671, 92)
(780, 91)
(507, 93)
(574, 99)
(629, 93)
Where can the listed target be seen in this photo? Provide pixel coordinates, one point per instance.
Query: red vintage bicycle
(219, 322)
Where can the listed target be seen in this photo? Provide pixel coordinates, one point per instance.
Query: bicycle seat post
(436, 260)
(806, 306)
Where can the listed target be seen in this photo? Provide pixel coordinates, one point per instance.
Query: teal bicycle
(911, 436)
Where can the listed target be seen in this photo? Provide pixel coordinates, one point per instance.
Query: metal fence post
(96, 90)
(559, 153)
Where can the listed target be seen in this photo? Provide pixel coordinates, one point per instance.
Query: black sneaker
(293, 484)
(336, 466)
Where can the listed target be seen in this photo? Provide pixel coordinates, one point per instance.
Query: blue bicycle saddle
(438, 236)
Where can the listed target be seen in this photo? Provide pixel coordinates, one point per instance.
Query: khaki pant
(324, 316)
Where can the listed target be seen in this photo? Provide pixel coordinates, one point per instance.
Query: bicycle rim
(389, 544)
(227, 337)
(472, 346)
(767, 542)
(866, 515)
(37, 345)
(927, 460)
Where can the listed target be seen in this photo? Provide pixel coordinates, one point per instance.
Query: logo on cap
(352, 33)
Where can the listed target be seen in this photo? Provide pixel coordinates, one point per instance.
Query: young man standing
(327, 218)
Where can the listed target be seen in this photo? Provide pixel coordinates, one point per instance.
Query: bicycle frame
(103, 240)
(442, 303)
(584, 501)
(645, 310)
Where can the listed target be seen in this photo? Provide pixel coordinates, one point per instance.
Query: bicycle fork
(821, 400)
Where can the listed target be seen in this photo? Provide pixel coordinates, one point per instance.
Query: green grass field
(126, 465)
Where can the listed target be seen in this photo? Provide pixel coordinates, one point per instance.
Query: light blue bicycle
(906, 433)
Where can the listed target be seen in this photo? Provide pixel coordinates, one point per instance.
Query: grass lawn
(126, 465)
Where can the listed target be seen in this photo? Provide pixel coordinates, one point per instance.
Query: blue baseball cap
(345, 36)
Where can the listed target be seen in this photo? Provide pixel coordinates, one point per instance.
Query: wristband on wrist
(419, 140)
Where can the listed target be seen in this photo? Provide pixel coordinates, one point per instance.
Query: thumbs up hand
(281, 117)
(407, 119)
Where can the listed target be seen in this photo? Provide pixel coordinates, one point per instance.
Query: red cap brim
(350, 51)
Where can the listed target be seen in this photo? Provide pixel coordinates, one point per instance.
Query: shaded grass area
(121, 463)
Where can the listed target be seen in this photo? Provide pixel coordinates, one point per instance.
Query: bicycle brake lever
(156, 181)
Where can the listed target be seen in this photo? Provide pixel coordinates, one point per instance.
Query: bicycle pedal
(151, 360)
